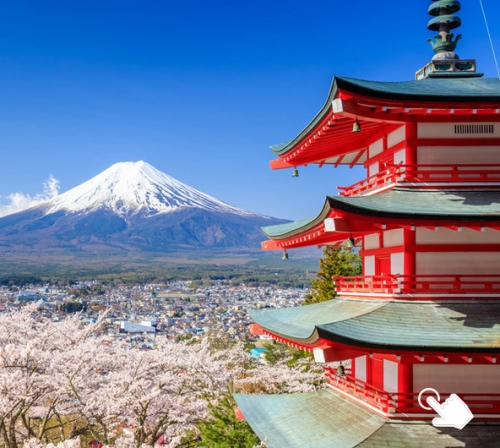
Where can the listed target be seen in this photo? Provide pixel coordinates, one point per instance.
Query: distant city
(137, 313)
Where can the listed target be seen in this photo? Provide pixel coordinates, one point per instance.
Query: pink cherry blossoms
(61, 380)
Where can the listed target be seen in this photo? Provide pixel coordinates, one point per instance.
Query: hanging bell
(295, 172)
(340, 370)
(350, 242)
(285, 255)
(356, 127)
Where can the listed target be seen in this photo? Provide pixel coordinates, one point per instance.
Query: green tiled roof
(310, 420)
(437, 89)
(446, 326)
(422, 204)
(414, 434)
(404, 203)
(327, 420)
(480, 90)
(280, 229)
(300, 323)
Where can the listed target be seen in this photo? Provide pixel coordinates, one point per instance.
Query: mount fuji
(131, 208)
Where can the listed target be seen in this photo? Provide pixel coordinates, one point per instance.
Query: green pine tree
(224, 430)
(334, 262)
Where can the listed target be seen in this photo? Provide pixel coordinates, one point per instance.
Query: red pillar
(411, 140)
(410, 240)
(377, 373)
(405, 383)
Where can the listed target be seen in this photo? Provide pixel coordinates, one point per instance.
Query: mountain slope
(131, 208)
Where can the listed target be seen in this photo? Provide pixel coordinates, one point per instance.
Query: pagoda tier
(398, 348)
(381, 108)
(426, 244)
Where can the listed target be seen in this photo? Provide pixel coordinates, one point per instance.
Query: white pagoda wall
(447, 130)
(465, 236)
(395, 137)
(360, 368)
(390, 238)
(445, 378)
(371, 241)
(457, 262)
(377, 147)
(390, 376)
(456, 155)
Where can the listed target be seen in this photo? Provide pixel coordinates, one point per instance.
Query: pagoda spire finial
(446, 63)
(444, 20)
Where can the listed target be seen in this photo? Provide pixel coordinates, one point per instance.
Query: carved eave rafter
(329, 138)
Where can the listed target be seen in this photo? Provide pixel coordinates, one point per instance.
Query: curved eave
(304, 233)
(283, 148)
(379, 105)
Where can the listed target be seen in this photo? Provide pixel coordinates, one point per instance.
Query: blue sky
(199, 89)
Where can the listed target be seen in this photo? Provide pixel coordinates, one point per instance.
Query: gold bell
(340, 370)
(356, 127)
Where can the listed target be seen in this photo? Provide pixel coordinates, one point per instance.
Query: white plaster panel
(458, 155)
(376, 148)
(323, 355)
(397, 263)
(465, 236)
(372, 241)
(373, 169)
(360, 368)
(400, 157)
(458, 263)
(393, 238)
(447, 378)
(396, 137)
(369, 265)
(390, 376)
(447, 130)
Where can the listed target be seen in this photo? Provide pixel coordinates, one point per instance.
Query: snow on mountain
(129, 188)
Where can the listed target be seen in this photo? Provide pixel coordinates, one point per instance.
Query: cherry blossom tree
(31, 358)
(59, 380)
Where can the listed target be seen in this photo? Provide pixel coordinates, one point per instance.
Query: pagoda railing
(419, 284)
(393, 174)
(404, 403)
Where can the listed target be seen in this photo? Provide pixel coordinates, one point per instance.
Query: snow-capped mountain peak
(128, 188)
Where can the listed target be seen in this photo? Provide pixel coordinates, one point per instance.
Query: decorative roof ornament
(446, 63)
(444, 21)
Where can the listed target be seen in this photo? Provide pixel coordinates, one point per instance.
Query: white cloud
(20, 201)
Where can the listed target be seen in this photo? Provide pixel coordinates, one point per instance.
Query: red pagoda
(426, 219)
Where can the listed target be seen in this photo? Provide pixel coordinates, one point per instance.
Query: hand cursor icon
(454, 412)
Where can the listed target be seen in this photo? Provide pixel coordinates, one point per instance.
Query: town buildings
(218, 310)
(424, 318)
